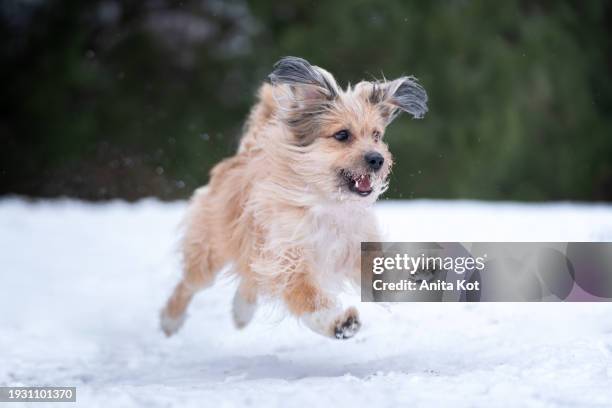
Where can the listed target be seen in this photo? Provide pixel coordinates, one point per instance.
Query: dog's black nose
(374, 160)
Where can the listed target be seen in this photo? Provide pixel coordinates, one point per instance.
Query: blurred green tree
(127, 99)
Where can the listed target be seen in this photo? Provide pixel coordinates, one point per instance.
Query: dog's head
(338, 134)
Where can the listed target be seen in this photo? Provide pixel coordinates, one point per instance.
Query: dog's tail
(259, 117)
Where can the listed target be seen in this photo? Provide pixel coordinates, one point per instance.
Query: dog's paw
(334, 323)
(242, 311)
(170, 325)
(348, 325)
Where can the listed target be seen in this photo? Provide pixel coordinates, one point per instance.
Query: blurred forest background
(106, 99)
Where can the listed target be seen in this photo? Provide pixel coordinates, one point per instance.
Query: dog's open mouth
(360, 184)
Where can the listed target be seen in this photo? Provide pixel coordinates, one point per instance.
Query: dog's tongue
(362, 183)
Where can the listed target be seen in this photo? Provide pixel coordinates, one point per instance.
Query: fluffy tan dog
(290, 209)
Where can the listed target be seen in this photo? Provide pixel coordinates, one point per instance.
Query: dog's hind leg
(173, 314)
(244, 304)
(201, 263)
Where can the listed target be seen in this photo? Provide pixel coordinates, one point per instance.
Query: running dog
(288, 212)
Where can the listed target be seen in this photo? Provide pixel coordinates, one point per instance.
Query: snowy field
(81, 286)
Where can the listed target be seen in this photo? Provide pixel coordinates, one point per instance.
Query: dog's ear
(403, 94)
(306, 82)
(302, 91)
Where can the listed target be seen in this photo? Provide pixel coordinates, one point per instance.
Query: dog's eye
(342, 135)
(376, 134)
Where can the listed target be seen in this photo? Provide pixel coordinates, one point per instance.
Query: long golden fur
(289, 210)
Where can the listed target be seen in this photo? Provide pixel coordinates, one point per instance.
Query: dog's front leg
(319, 311)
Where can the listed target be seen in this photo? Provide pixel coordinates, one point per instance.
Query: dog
(288, 212)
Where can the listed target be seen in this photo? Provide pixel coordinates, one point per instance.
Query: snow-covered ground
(81, 286)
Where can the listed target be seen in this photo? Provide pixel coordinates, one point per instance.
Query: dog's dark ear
(403, 94)
(307, 81)
(302, 92)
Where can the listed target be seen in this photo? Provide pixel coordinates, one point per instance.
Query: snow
(81, 286)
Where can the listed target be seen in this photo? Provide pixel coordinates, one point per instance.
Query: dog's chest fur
(336, 235)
